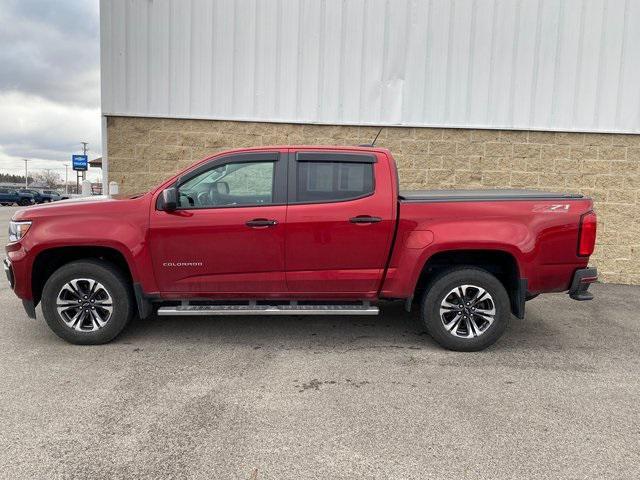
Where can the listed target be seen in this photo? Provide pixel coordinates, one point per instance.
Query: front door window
(232, 184)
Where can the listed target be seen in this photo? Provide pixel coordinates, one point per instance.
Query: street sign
(79, 162)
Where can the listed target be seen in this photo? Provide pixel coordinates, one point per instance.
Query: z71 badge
(555, 208)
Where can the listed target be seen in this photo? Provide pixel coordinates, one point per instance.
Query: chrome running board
(254, 309)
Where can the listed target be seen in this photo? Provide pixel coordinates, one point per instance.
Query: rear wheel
(466, 309)
(87, 302)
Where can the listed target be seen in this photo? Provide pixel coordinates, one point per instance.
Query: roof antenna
(374, 140)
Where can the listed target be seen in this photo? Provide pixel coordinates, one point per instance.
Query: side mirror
(169, 199)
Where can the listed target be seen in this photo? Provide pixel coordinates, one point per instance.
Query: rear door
(340, 221)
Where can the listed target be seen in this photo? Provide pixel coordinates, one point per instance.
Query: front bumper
(582, 278)
(8, 272)
(28, 305)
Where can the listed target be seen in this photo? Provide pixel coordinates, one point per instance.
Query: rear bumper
(582, 278)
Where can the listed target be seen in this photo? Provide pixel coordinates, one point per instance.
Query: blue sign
(80, 162)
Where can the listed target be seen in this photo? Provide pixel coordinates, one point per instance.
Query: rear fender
(416, 246)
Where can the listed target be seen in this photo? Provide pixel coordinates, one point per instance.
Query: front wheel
(466, 309)
(87, 302)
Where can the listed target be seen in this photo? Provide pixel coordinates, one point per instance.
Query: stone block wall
(144, 151)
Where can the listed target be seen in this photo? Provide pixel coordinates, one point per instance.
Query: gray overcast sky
(49, 82)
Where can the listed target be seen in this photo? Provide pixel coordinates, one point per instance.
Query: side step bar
(253, 309)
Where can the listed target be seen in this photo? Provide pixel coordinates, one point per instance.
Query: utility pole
(66, 179)
(78, 173)
(26, 178)
(84, 152)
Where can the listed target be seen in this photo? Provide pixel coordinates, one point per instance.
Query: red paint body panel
(327, 253)
(314, 252)
(209, 251)
(543, 242)
(118, 224)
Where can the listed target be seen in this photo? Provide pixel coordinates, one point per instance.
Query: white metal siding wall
(523, 64)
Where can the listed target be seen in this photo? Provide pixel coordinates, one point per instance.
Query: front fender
(123, 235)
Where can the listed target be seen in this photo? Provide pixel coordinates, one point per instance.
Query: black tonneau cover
(481, 195)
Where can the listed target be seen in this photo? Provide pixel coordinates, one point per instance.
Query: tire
(469, 327)
(110, 288)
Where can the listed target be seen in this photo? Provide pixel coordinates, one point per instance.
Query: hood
(94, 205)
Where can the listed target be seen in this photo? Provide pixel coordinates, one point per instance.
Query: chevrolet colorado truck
(300, 231)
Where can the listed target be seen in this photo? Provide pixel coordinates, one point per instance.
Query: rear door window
(328, 181)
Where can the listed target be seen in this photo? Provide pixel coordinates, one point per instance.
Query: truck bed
(481, 195)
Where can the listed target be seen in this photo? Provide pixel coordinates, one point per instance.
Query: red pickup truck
(300, 231)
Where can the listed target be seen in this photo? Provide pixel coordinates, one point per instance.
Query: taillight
(587, 240)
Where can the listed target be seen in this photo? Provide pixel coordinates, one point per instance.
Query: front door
(226, 239)
(339, 225)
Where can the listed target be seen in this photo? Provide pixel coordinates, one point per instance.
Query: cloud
(51, 49)
(49, 82)
(45, 131)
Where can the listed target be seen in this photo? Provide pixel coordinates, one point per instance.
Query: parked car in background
(67, 196)
(37, 196)
(51, 195)
(44, 196)
(9, 196)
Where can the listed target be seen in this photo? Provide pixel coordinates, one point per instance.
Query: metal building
(476, 93)
(569, 65)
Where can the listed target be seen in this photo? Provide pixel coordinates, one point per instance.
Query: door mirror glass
(169, 199)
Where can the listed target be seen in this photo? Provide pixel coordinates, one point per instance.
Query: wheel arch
(49, 260)
(500, 263)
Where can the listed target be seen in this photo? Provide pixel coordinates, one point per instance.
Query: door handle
(261, 222)
(365, 219)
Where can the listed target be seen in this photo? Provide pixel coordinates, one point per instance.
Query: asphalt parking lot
(325, 397)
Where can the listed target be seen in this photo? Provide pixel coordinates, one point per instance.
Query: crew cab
(9, 196)
(304, 230)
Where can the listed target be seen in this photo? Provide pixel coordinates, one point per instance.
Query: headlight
(17, 230)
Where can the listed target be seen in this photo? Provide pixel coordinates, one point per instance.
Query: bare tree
(50, 178)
